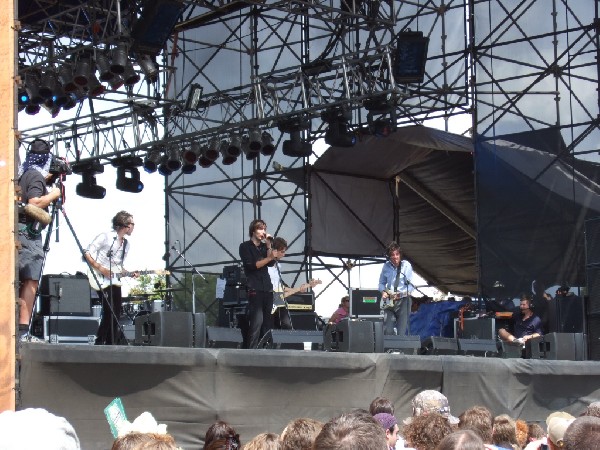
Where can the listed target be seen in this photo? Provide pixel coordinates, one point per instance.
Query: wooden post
(8, 292)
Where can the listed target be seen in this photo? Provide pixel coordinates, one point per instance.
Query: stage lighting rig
(295, 147)
(88, 187)
(128, 175)
(174, 158)
(209, 154)
(338, 133)
(268, 148)
(190, 156)
(194, 97)
(152, 160)
(228, 152)
(250, 154)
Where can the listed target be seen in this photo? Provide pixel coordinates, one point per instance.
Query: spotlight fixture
(209, 153)
(95, 88)
(194, 97)
(32, 109)
(174, 158)
(267, 148)
(229, 157)
(338, 133)
(130, 76)
(83, 69)
(250, 154)
(152, 160)
(23, 99)
(295, 147)
(116, 82)
(381, 127)
(128, 175)
(235, 145)
(88, 187)
(103, 65)
(190, 156)
(119, 58)
(410, 57)
(255, 142)
(149, 67)
(32, 86)
(65, 77)
(48, 83)
(163, 168)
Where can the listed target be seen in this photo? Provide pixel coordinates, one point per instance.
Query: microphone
(35, 213)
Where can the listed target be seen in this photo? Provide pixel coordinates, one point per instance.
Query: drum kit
(140, 305)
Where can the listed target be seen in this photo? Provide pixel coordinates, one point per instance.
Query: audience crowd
(430, 427)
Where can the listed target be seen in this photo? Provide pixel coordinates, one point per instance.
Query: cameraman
(33, 177)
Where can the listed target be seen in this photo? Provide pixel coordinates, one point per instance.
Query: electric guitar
(279, 297)
(115, 280)
(388, 303)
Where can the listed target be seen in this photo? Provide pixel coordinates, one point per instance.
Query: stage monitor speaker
(593, 330)
(478, 347)
(510, 350)
(558, 346)
(303, 320)
(436, 345)
(566, 314)
(356, 336)
(65, 295)
(199, 330)
(295, 339)
(408, 345)
(219, 337)
(592, 242)
(480, 328)
(165, 329)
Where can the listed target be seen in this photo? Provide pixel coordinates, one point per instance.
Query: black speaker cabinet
(435, 345)
(165, 329)
(593, 330)
(409, 345)
(592, 241)
(303, 320)
(478, 347)
(566, 314)
(219, 337)
(295, 339)
(65, 295)
(563, 346)
(356, 336)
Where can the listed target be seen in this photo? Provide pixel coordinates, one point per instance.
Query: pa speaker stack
(171, 329)
(356, 336)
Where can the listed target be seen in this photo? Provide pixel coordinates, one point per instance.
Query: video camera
(59, 167)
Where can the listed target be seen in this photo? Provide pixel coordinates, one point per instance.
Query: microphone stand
(193, 275)
(109, 254)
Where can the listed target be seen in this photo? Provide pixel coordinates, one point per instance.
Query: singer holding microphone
(257, 255)
(106, 255)
(33, 177)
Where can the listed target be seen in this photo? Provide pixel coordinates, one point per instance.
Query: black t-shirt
(32, 184)
(257, 279)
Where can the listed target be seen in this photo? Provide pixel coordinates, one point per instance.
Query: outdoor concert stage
(261, 390)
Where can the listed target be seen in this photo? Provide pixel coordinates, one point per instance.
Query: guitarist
(395, 287)
(108, 251)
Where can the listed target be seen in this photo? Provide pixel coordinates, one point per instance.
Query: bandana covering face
(36, 161)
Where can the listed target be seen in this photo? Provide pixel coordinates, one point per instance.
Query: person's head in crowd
(478, 419)
(381, 405)
(264, 441)
(350, 431)
(582, 434)
(390, 425)
(220, 430)
(426, 431)
(461, 440)
(144, 441)
(223, 444)
(279, 244)
(557, 423)
(299, 434)
(430, 401)
(522, 430)
(593, 409)
(535, 432)
(36, 428)
(504, 433)
(562, 290)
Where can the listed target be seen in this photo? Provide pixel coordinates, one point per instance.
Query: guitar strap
(397, 280)
(123, 251)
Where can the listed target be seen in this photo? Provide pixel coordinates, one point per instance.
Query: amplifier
(293, 307)
(67, 329)
(65, 295)
(234, 295)
(303, 301)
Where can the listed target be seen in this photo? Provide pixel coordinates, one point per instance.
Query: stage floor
(261, 390)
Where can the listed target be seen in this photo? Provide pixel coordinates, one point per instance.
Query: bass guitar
(279, 297)
(115, 280)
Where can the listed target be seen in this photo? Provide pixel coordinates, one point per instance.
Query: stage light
(255, 143)
(190, 157)
(209, 153)
(73, 99)
(250, 154)
(296, 147)
(149, 67)
(128, 175)
(410, 57)
(103, 65)
(227, 157)
(174, 158)
(119, 58)
(152, 160)
(95, 88)
(23, 98)
(338, 133)
(32, 109)
(194, 97)
(130, 76)
(235, 145)
(83, 69)
(381, 127)
(88, 187)
(116, 82)
(267, 148)
(32, 86)
(163, 169)
(48, 83)
(65, 77)
(53, 109)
